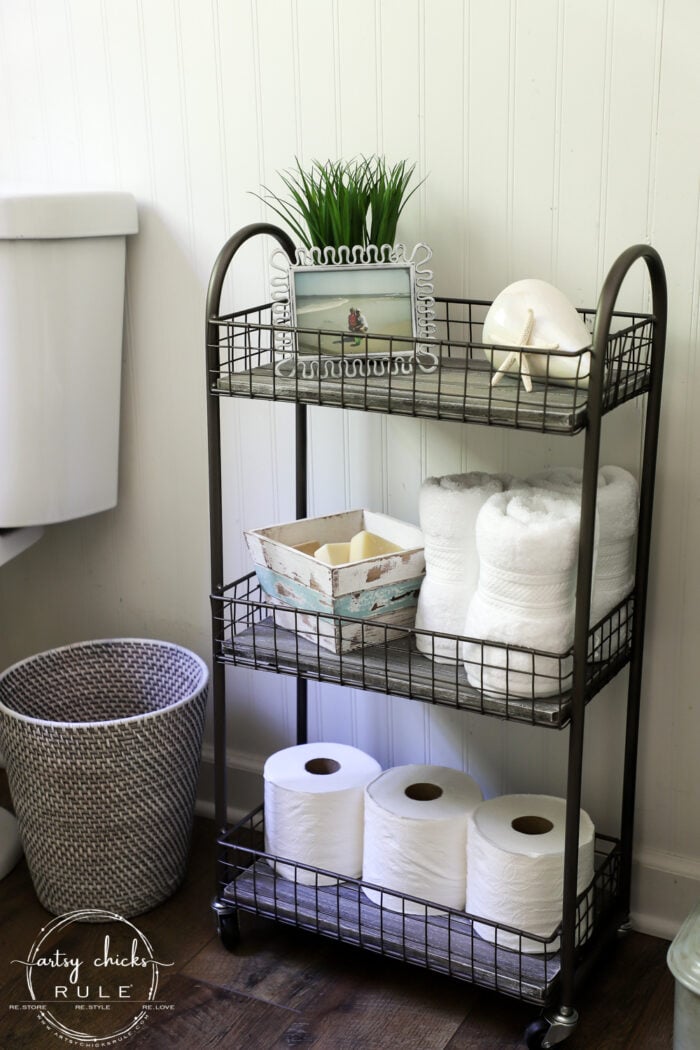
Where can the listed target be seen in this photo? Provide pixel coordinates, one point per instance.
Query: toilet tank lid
(38, 216)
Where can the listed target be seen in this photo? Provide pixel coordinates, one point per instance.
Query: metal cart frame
(638, 370)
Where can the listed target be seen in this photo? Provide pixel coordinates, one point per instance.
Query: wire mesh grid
(510, 682)
(454, 376)
(400, 926)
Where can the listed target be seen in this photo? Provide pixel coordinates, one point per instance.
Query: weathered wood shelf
(249, 635)
(447, 945)
(443, 394)
(445, 941)
(250, 364)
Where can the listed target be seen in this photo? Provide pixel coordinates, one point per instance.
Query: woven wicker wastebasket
(102, 742)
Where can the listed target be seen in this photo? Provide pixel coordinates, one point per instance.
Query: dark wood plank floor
(282, 988)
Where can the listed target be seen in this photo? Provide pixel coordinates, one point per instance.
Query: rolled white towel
(527, 540)
(559, 479)
(614, 565)
(448, 509)
(618, 510)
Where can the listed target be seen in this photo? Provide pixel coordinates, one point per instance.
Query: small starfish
(516, 357)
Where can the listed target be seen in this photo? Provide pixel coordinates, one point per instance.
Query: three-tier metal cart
(626, 362)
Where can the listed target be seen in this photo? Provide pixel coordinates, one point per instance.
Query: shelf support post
(589, 495)
(213, 352)
(641, 581)
(301, 442)
(604, 313)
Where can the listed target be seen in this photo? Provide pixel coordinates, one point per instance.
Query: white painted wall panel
(551, 136)
(584, 104)
(671, 711)
(535, 140)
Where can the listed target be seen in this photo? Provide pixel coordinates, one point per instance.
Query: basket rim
(200, 685)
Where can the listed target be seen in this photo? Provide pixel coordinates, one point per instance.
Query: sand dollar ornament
(534, 315)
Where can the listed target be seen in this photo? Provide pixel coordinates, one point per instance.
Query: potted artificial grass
(337, 203)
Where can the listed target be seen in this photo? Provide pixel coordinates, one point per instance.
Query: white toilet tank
(62, 262)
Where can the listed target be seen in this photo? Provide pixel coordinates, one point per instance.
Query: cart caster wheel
(551, 1029)
(228, 930)
(535, 1034)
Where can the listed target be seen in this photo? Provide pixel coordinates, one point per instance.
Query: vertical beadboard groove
(260, 135)
(296, 72)
(220, 120)
(510, 133)
(379, 112)
(112, 93)
(464, 122)
(605, 152)
(184, 125)
(11, 148)
(654, 140)
(337, 81)
(74, 88)
(41, 86)
(422, 137)
(556, 160)
(147, 109)
(257, 95)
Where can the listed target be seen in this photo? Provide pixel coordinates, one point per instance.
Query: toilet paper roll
(314, 809)
(416, 834)
(515, 868)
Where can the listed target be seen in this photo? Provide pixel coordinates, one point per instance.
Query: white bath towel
(618, 511)
(448, 509)
(559, 479)
(527, 540)
(614, 566)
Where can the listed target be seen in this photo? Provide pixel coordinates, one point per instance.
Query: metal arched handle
(225, 258)
(608, 298)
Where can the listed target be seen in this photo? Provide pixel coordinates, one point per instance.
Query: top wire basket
(452, 376)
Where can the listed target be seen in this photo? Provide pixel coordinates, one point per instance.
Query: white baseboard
(665, 889)
(665, 886)
(244, 783)
(204, 808)
(235, 760)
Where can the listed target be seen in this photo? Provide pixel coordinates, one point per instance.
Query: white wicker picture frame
(353, 311)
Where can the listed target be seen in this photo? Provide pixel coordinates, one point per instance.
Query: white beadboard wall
(553, 134)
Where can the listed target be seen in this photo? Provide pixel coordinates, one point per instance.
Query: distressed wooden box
(383, 589)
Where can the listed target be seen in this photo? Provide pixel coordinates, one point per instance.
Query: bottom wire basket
(437, 938)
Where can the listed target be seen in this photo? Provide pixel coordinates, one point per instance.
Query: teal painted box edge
(370, 603)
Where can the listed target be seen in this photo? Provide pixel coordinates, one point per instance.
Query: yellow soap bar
(310, 547)
(333, 553)
(369, 545)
